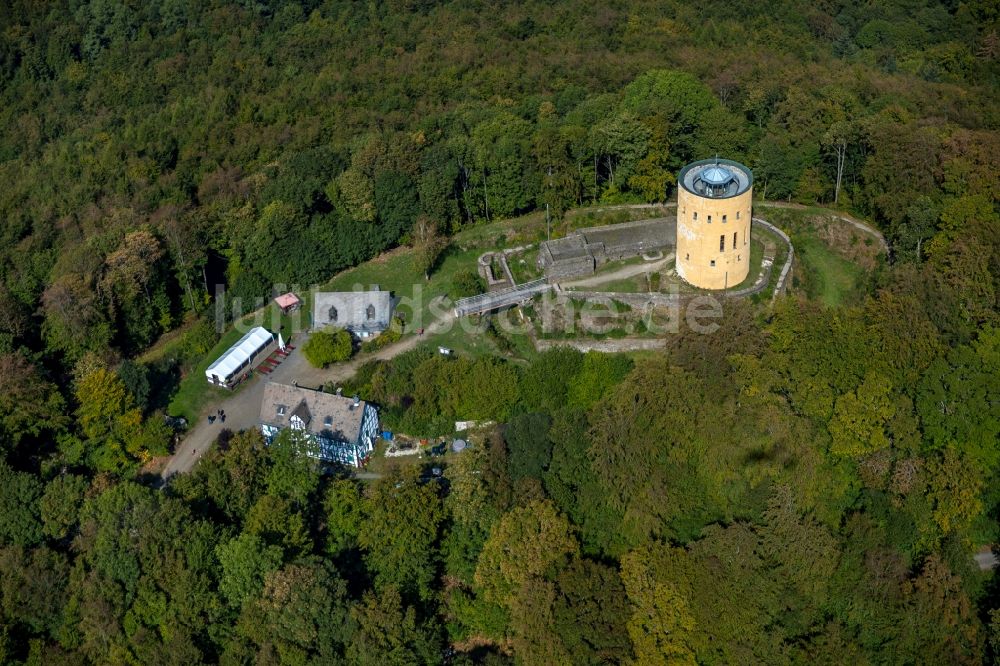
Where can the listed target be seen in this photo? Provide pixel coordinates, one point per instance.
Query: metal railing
(499, 299)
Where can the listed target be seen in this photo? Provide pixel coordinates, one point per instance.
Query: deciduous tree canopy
(807, 484)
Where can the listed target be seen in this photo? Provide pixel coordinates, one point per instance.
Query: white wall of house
(349, 453)
(369, 430)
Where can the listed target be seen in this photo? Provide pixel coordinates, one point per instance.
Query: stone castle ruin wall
(582, 251)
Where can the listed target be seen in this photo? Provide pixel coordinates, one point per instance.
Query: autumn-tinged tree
(110, 421)
(128, 270)
(74, 322)
(954, 490)
(661, 623)
(937, 622)
(522, 545)
(860, 418)
(356, 191)
(133, 285)
(653, 173)
(303, 611)
(428, 245)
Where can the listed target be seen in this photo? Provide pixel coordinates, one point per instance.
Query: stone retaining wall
(580, 253)
(637, 300)
(780, 285)
(606, 346)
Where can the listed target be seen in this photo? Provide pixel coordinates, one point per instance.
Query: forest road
(242, 409)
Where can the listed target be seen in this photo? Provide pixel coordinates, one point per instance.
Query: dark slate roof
(325, 414)
(302, 411)
(352, 309)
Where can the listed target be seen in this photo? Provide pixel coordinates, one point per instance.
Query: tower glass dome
(715, 178)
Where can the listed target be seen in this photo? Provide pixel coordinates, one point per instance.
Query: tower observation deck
(714, 210)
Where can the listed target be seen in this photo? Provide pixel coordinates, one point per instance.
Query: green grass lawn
(823, 273)
(828, 277)
(637, 284)
(524, 267)
(634, 284)
(395, 272)
(398, 273)
(756, 257)
(194, 391)
(780, 256)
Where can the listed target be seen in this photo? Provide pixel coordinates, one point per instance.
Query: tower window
(739, 257)
(712, 263)
(696, 216)
(734, 239)
(710, 219)
(722, 243)
(687, 256)
(737, 215)
(723, 219)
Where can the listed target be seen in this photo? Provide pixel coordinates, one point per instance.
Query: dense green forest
(808, 484)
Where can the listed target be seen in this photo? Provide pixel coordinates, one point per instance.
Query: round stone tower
(713, 223)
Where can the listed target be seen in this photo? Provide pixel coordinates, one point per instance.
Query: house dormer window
(328, 421)
(281, 410)
(370, 312)
(333, 314)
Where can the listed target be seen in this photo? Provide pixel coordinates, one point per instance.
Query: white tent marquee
(241, 356)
